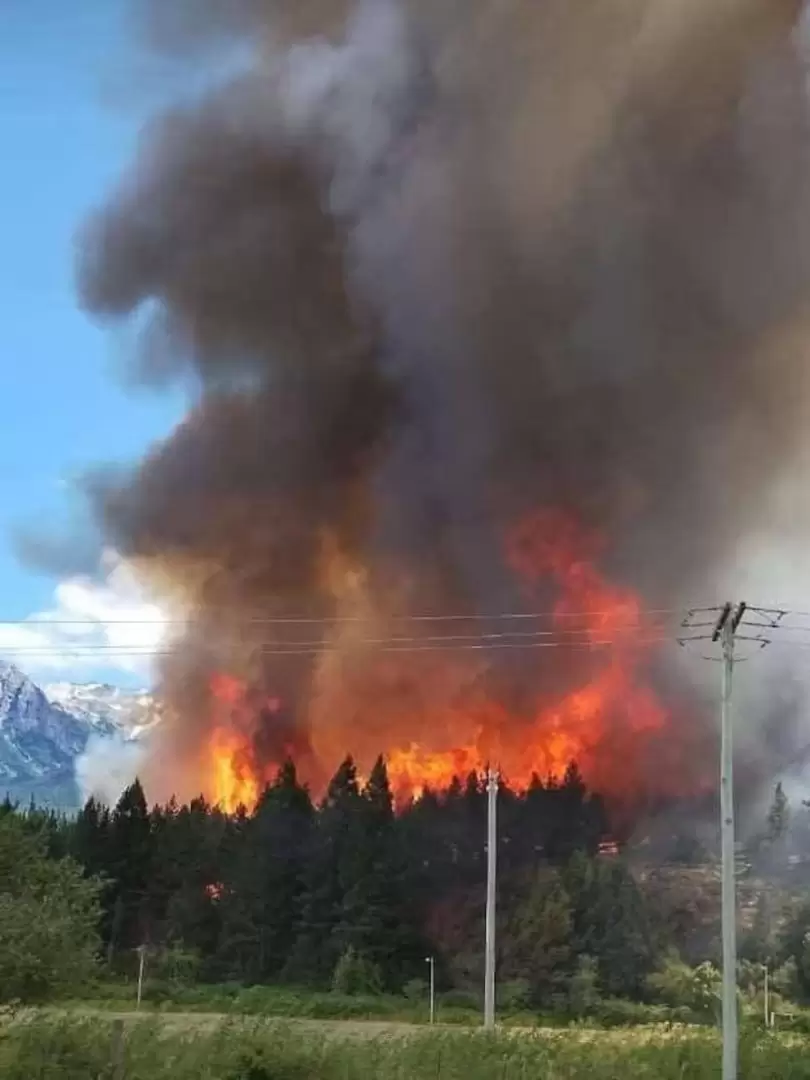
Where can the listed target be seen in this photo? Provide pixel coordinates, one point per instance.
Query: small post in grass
(117, 1050)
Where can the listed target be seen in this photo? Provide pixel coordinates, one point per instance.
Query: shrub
(356, 974)
(176, 964)
(460, 999)
(786, 980)
(679, 985)
(515, 995)
(416, 990)
(583, 987)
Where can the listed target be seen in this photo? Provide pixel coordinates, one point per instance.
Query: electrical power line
(102, 649)
(291, 620)
(484, 636)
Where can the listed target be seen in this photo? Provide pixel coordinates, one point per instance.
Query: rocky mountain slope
(44, 730)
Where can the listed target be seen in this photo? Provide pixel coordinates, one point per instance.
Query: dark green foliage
(49, 916)
(538, 943)
(355, 895)
(794, 947)
(611, 924)
(128, 865)
(355, 974)
(260, 909)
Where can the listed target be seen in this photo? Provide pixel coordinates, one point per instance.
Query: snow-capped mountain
(44, 731)
(131, 712)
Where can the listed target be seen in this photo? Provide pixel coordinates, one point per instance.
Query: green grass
(71, 1049)
(290, 1002)
(280, 1001)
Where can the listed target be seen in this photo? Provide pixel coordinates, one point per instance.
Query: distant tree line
(349, 894)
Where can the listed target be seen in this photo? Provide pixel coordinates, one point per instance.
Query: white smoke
(107, 767)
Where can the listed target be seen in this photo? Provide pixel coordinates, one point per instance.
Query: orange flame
(234, 782)
(612, 724)
(233, 779)
(602, 724)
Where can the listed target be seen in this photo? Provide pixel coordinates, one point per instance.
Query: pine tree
(375, 923)
(611, 923)
(778, 816)
(331, 859)
(262, 909)
(538, 939)
(189, 869)
(130, 865)
(577, 821)
(89, 838)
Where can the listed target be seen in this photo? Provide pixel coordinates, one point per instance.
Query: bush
(416, 990)
(460, 999)
(156, 991)
(179, 966)
(356, 974)
(786, 980)
(49, 914)
(619, 1012)
(514, 996)
(681, 986)
(583, 987)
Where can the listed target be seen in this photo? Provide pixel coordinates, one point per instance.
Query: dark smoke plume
(431, 264)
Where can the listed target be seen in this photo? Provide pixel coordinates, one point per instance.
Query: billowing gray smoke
(431, 265)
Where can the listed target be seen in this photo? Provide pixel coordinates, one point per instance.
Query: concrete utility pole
(141, 951)
(431, 960)
(725, 631)
(492, 873)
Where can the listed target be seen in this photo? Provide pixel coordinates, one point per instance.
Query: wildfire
(606, 723)
(233, 778)
(603, 723)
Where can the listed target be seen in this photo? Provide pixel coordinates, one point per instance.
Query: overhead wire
(619, 630)
(337, 620)
(106, 650)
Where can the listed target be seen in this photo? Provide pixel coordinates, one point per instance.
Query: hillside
(44, 730)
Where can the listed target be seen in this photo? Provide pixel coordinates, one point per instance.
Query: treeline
(349, 894)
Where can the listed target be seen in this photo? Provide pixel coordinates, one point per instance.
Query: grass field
(186, 1046)
(290, 1002)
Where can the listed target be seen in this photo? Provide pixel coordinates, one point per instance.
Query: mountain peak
(44, 730)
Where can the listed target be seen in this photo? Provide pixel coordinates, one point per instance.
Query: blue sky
(63, 142)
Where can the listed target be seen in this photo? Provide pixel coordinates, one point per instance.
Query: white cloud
(108, 622)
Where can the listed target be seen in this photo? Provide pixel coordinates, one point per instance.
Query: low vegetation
(75, 1050)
